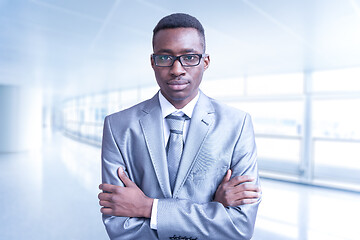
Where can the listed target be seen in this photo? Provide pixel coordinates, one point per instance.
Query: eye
(189, 57)
(164, 57)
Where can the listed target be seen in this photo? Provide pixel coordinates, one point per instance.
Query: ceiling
(70, 48)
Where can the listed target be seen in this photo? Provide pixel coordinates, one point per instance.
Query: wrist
(147, 207)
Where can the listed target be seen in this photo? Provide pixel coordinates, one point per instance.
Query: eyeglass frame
(179, 59)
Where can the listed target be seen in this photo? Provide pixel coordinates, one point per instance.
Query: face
(179, 84)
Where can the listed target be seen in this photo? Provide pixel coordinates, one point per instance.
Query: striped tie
(175, 145)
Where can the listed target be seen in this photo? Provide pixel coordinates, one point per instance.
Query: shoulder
(224, 110)
(134, 112)
(231, 119)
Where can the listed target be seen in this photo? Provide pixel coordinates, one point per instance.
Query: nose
(177, 69)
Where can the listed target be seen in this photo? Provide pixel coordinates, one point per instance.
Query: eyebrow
(169, 51)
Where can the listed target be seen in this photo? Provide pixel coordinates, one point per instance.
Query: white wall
(20, 118)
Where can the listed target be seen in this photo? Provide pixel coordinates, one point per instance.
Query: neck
(180, 103)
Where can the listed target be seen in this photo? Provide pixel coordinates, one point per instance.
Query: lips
(178, 84)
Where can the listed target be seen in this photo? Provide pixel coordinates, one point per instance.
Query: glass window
(129, 97)
(274, 117)
(336, 118)
(277, 106)
(223, 87)
(283, 150)
(336, 140)
(337, 154)
(114, 102)
(148, 92)
(343, 80)
(284, 84)
(278, 129)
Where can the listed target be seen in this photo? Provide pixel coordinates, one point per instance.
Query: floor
(52, 194)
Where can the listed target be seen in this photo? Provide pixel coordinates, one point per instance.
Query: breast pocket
(211, 174)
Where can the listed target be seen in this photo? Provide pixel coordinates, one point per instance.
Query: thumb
(124, 178)
(227, 176)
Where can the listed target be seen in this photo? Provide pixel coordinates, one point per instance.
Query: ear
(152, 61)
(206, 62)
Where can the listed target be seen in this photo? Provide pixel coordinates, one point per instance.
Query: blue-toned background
(294, 65)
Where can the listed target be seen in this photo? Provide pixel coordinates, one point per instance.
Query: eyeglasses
(186, 60)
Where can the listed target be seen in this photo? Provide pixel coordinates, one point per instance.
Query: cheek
(160, 74)
(160, 79)
(197, 77)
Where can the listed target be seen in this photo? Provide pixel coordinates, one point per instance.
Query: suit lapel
(151, 124)
(200, 123)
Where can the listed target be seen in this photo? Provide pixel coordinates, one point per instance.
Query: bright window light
(343, 80)
(223, 87)
(283, 84)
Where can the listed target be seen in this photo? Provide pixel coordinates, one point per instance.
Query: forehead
(177, 40)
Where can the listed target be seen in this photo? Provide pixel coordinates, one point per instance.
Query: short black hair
(180, 20)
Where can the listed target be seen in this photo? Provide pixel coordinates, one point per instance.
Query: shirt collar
(167, 108)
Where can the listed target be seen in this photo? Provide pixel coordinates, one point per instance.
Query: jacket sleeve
(120, 228)
(184, 218)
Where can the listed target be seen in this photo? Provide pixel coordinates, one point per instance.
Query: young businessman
(179, 165)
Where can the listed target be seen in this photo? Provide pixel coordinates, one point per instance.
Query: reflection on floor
(52, 194)
(290, 211)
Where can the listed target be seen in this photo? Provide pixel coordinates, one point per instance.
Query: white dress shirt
(166, 109)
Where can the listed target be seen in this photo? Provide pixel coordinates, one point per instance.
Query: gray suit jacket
(219, 137)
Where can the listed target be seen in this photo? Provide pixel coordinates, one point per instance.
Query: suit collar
(201, 121)
(151, 124)
(167, 108)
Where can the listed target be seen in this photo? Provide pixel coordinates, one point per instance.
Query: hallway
(52, 194)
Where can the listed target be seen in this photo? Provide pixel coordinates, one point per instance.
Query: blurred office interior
(293, 65)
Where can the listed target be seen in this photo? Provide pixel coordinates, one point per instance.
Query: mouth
(178, 84)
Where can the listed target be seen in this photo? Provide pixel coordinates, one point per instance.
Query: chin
(178, 98)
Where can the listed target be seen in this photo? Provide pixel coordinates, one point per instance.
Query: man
(194, 181)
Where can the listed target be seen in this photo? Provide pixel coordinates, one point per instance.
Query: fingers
(241, 179)
(107, 187)
(105, 202)
(104, 196)
(247, 194)
(106, 211)
(227, 177)
(247, 187)
(240, 198)
(124, 178)
(246, 201)
(238, 190)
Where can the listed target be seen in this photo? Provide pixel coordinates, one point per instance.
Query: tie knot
(176, 122)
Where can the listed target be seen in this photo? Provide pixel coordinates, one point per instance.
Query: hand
(127, 201)
(237, 191)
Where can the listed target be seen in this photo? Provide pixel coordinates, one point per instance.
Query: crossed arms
(130, 201)
(230, 214)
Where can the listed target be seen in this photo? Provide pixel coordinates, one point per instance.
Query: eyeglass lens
(185, 60)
